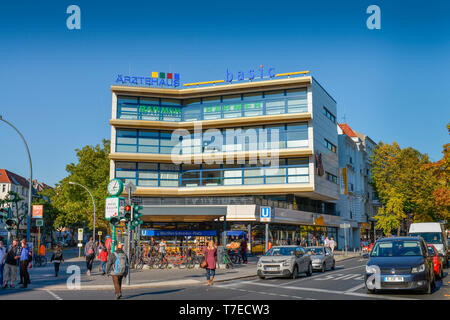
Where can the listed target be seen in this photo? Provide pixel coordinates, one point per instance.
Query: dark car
(400, 263)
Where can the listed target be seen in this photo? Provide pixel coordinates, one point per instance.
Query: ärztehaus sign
(157, 79)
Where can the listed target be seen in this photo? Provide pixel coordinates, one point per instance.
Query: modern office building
(358, 203)
(205, 158)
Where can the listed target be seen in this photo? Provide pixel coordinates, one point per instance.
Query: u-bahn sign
(265, 214)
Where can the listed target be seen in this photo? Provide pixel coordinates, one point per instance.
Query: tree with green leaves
(404, 186)
(74, 204)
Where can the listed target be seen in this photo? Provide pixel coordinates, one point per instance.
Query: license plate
(271, 269)
(393, 279)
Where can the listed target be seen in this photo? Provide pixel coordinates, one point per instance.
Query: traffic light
(127, 213)
(137, 217)
(3, 214)
(115, 221)
(11, 224)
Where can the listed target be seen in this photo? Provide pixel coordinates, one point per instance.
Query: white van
(433, 233)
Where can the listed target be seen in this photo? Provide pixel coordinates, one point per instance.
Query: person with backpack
(104, 260)
(90, 251)
(117, 267)
(57, 258)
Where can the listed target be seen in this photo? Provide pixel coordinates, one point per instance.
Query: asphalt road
(344, 283)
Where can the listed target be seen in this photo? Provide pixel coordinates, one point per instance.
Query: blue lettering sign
(251, 74)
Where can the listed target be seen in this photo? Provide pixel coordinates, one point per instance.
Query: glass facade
(210, 108)
(293, 135)
(146, 174)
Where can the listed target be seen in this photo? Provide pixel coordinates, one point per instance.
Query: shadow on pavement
(152, 293)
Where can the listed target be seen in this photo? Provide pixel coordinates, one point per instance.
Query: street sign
(80, 234)
(112, 207)
(38, 211)
(100, 233)
(39, 223)
(344, 225)
(80, 245)
(136, 200)
(265, 214)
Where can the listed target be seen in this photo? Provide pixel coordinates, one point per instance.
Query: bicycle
(227, 261)
(235, 257)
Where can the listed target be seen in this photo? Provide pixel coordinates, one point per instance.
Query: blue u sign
(265, 212)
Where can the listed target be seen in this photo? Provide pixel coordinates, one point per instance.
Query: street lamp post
(30, 185)
(70, 182)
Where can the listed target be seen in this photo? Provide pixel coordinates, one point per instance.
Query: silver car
(284, 261)
(322, 258)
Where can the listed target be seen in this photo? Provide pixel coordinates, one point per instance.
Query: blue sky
(392, 84)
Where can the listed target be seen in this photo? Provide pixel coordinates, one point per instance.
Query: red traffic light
(127, 208)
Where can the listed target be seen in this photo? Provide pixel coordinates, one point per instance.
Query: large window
(293, 170)
(294, 135)
(210, 108)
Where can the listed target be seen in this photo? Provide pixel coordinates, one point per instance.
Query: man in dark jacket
(90, 251)
(117, 275)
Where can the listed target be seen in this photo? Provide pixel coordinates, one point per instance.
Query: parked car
(322, 258)
(400, 263)
(433, 233)
(284, 261)
(438, 264)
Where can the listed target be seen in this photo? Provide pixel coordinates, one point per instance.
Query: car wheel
(310, 271)
(295, 272)
(334, 265)
(323, 268)
(441, 273)
(262, 277)
(427, 289)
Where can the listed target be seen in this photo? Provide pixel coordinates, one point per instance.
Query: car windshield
(431, 252)
(314, 251)
(397, 248)
(429, 237)
(281, 251)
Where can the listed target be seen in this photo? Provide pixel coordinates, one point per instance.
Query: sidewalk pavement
(43, 278)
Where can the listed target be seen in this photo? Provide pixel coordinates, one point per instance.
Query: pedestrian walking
(2, 261)
(117, 267)
(210, 254)
(332, 244)
(104, 260)
(243, 249)
(12, 257)
(90, 251)
(162, 248)
(108, 242)
(57, 258)
(24, 261)
(326, 242)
